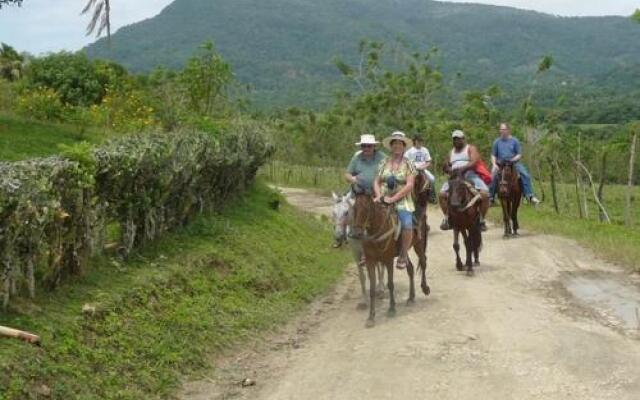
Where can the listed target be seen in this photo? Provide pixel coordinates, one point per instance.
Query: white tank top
(460, 160)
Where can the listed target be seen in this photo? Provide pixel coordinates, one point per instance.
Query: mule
(510, 194)
(464, 218)
(341, 216)
(377, 225)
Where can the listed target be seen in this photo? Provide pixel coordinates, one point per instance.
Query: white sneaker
(534, 200)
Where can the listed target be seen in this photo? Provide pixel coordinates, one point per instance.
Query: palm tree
(101, 18)
(11, 63)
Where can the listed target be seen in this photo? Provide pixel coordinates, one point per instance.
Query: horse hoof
(391, 313)
(505, 236)
(470, 273)
(476, 264)
(426, 290)
(370, 323)
(460, 267)
(411, 302)
(362, 306)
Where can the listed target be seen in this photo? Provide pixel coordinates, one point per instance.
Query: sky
(41, 26)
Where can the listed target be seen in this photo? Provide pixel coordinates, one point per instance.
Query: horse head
(362, 208)
(459, 193)
(342, 206)
(508, 177)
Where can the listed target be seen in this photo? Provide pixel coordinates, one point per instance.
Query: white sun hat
(457, 134)
(367, 139)
(397, 135)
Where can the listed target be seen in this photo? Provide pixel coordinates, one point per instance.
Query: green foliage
(54, 212)
(77, 80)
(123, 110)
(636, 16)
(40, 103)
(205, 79)
(21, 139)
(286, 53)
(166, 312)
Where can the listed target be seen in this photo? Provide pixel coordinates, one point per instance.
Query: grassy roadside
(615, 243)
(226, 278)
(21, 138)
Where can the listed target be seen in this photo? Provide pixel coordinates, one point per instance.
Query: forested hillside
(284, 48)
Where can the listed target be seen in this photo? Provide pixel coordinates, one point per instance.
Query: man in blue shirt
(507, 148)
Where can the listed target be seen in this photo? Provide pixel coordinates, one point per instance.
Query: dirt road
(542, 318)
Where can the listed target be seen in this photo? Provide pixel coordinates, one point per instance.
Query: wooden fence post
(632, 161)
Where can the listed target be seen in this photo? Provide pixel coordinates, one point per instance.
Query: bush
(54, 212)
(40, 103)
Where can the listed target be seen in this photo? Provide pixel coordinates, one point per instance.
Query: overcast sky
(50, 25)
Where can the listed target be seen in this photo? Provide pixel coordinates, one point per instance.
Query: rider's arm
(494, 161)
(518, 152)
(376, 188)
(350, 178)
(474, 157)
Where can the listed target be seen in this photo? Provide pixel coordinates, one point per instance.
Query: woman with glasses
(394, 183)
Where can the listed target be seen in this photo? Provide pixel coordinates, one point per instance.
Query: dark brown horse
(464, 217)
(377, 225)
(510, 194)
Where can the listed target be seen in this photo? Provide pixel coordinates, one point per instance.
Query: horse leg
(412, 287)
(514, 216)
(468, 244)
(421, 251)
(477, 244)
(380, 290)
(456, 248)
(505, 216)
(357, 255)
(371, 271)
(392, 298)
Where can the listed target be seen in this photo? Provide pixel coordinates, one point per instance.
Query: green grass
(21, 139)
(614, 243)
(225, 279)
(319, 179)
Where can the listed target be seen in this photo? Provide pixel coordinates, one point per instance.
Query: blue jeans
(406, 220)
(527, 186)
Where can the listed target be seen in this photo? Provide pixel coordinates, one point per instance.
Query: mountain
(284, 48)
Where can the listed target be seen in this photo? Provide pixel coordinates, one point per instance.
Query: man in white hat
(463, 158)
(363, 167)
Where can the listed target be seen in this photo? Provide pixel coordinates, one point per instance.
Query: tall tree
(11, 63)
(101, 18)
(636, 16)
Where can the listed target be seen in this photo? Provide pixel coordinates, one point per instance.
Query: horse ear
(351, 201)
(335, 197)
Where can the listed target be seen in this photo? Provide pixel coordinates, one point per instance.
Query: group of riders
(391, 179)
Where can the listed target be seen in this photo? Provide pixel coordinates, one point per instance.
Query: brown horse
(377, 225)
(464, 217)
(510, 194)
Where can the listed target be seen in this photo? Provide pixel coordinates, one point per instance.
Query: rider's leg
(527, 185)
(406, 237)
(494, 184)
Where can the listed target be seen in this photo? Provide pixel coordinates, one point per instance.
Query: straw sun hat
(397, 135)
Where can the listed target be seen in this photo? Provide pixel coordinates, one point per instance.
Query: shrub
(40, 103)
(54, 212)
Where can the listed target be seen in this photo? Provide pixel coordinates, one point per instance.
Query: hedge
(55, 212)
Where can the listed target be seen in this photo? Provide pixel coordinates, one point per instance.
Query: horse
(464, 217)
(377, 224)
(510, 194)
(341, 215)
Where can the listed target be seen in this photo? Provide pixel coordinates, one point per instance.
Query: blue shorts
(406, 219)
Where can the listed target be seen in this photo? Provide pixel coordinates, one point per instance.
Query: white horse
(341, 215)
